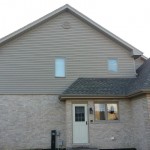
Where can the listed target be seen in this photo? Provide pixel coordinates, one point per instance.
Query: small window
(112, 65)
(106, 111)
(79, 113)
(59, 67)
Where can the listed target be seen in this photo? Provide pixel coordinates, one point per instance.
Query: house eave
(73, 97)
(32, 25)
(129, 96)
(139, 92)
(134, 51)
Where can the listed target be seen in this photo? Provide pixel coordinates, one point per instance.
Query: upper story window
(112, 65)
(106, 111)
(59, 67)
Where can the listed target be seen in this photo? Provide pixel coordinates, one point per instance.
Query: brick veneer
(26, 121)
(100, 133)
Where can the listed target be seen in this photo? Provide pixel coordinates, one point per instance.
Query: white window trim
(59, 57)
(106, 115)
(111, 71)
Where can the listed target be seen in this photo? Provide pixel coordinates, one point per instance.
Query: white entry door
(80, 124)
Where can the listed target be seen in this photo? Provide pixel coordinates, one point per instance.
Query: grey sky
(128, 19)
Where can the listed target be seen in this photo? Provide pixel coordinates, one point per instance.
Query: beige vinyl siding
(27, 62)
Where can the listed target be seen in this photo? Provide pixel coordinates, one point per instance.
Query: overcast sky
(128, 19)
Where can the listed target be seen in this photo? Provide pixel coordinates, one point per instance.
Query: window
(112, 65)
(79, 113)
(59, 67)
(106, 111)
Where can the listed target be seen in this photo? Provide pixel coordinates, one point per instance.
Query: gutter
(137, 93)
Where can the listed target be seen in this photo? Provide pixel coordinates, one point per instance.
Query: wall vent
(66, 25)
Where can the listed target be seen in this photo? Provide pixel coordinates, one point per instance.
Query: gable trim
(134, 51)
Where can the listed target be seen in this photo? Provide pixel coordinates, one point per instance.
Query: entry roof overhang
(94, 97)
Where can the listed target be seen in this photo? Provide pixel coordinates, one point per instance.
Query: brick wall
(141, 122)
(100, 132)
(26, 121)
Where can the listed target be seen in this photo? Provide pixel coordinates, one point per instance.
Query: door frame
(86, 120)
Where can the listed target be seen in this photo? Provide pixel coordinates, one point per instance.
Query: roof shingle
(98, 86)
(111, 86)
(143, 78)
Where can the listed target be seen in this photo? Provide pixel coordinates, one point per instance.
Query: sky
(128, 19)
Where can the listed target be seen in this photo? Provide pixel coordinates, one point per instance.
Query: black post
(53, 139)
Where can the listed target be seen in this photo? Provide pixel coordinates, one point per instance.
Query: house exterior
(66, 73)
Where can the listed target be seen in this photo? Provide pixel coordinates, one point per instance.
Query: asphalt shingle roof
(143, 78)
(111, 86)
(98, 86)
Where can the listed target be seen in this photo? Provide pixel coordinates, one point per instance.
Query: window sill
(60, 77)
(106, 121)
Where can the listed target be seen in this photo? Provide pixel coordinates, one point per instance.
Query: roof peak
(67, 5)
(134, 51)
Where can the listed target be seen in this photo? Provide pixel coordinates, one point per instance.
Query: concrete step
(84, 148)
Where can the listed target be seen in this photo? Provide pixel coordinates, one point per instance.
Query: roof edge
(135, 51)
(137, 93)
(62, 98)
(144, 57)
(32, 24)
